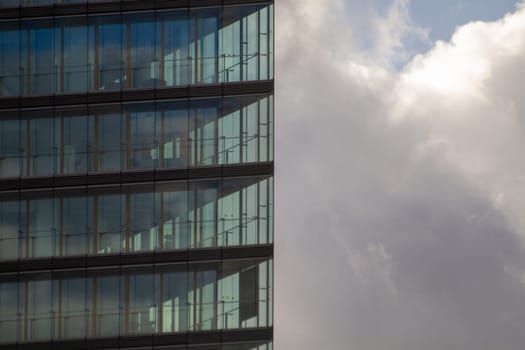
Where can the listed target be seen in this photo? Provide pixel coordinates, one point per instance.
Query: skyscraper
(136, 174)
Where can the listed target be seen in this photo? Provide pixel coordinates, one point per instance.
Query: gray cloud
(398, 198)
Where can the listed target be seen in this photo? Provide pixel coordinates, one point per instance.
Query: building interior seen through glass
(145, 135)
(169, 216)
(230, 294)
(139, 50)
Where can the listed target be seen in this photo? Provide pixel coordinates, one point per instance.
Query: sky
(400, 130)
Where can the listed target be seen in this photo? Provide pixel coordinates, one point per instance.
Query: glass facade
(134, 215)
(145, 135)
(147, 300)
(161, 217)
(126, 51)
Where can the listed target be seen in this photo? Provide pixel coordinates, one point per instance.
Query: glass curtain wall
(139, 301)
(170, 216)
(148, 135)
(126, 51)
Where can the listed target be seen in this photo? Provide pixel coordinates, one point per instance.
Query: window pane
(110, 35)
(175, 219)
(43, 227)
(110, 150)
(10, 45)
(143, 309)
(44, 136)
(144, 221)
(74, 318)
(76, 49)
(143, 137)
(144, 65)
(10, 148)
(41, 64)
(110, 220)
(77, 214)
(175, 34)
(9, 315)
(108, 302)
(77, 144)
(41, 310)
(9, 230)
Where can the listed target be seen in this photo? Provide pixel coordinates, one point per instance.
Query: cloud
(399, 193)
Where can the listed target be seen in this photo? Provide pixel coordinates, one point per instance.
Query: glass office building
(136, 174)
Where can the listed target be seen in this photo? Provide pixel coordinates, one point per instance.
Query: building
(136, 174)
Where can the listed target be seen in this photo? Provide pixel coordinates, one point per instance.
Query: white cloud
(399, 194)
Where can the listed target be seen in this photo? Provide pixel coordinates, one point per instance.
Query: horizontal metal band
(185, 92)
(114, 6)
(126, 177)
(190, 338)
(121, 261)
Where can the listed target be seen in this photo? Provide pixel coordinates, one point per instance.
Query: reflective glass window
(74, 317)
(114, 302)
(10, 233)
(10, 59)
(42, 223)
(9, 312)
(77, 225)
(10, 147)
(171, 216)
(74, 53)
(113, 52)
(109, 139)
(110, 219)
(110, 43)
(43, 145)
(143, 221)
(41, 301)
(143, 66)
(109, 300)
